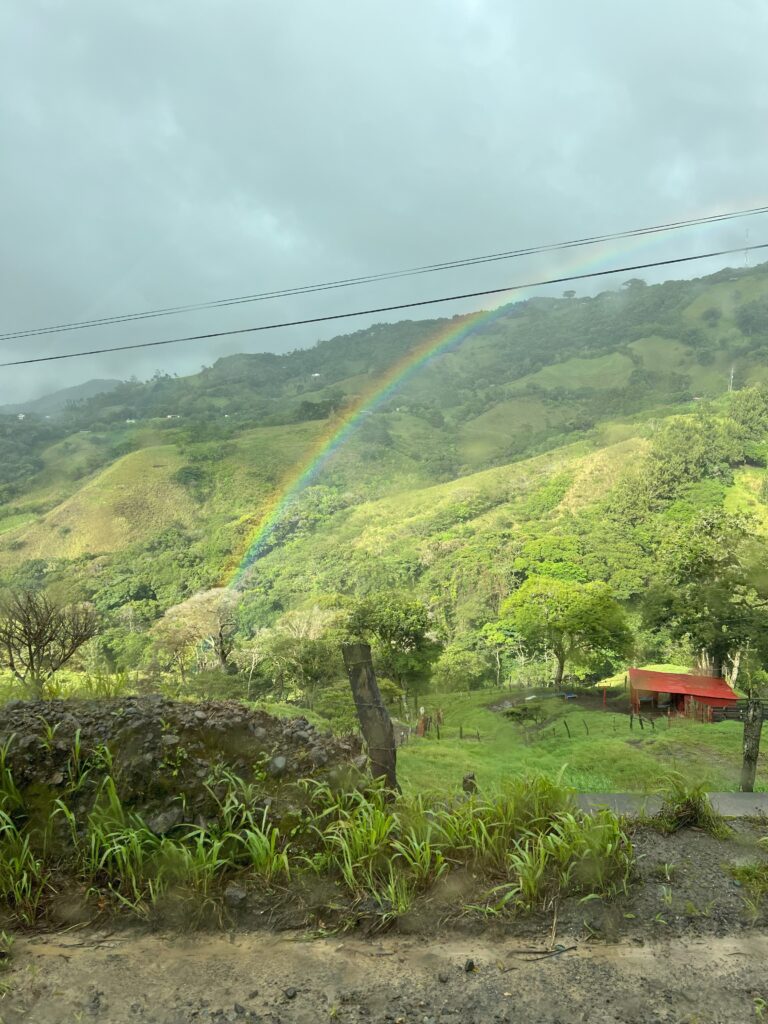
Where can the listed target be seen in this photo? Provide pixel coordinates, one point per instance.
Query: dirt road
(288, 979)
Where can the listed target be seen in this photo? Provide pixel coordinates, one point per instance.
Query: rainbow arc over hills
(336, 435)
(449, 334)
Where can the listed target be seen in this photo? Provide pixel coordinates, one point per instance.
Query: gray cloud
(159, 153)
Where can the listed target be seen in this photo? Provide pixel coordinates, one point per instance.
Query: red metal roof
(680, 682)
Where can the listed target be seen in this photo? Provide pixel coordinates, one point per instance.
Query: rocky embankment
(166, 757)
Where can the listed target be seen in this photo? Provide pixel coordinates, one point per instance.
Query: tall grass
(10, 797)
(687, 806)
(577, 855)
(529, 843)
(484, 829)
(23, 876)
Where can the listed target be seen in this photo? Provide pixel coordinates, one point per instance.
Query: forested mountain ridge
(564, 438)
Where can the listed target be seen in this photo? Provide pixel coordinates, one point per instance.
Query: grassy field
(609, 757)
(601, 754)
(611, 371)
(132, 498)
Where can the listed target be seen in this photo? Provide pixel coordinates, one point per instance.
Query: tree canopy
(568, 620)
(711, 589)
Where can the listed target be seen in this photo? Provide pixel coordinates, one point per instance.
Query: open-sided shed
(674, 691)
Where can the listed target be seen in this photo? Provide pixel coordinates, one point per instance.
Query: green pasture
(602, 753)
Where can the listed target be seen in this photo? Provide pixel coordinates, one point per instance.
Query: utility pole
(730, 382)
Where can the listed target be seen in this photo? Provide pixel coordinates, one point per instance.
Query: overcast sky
(157, 152)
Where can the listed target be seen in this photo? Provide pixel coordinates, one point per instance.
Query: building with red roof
(676, 691)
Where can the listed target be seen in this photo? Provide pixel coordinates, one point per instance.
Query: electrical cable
(384, 276)
(387, 309)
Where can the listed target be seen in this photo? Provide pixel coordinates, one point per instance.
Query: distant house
(21, 416)
(677, 691)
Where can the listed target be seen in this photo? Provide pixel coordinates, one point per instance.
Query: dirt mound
(167, 757)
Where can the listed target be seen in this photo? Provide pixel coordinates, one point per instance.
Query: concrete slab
(730, 805)
(631, 804)
(740, 805)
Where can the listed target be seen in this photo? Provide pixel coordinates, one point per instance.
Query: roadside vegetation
(525, 847)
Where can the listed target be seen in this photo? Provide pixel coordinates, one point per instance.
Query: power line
(386, 309)
(383, 276)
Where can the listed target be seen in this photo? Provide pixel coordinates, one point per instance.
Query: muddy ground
(289, 979)
(681, 948)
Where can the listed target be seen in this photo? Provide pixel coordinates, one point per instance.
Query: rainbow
(338, 433)
(449, 335)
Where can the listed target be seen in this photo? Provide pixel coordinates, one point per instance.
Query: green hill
(494, 460)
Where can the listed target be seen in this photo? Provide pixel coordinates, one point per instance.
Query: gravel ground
(163, 979)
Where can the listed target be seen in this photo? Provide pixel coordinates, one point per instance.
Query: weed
(754, 878)
(6, 945)
(194, 864)
(687, 806)
(693, 911)
(173, 763)
(579, 854)
(422, 858)
(49, 732)
(393, 893)
(530, 838)
(483, 830)
(664, 872)
(102, 684)
(264, 851)
(753, 907)
(23, 878)
(10, 797)
(234, 798)
(357, 843)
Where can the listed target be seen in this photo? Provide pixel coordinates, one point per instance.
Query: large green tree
(400, 630)
(711, 591)
(568, 620)
(459, 668)
(300, 655)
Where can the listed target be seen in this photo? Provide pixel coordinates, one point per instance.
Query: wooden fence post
(374, 717)
(753, 724)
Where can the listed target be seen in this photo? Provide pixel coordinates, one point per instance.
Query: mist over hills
(57, 401)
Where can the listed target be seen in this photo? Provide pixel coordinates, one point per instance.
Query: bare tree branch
(39, 635)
